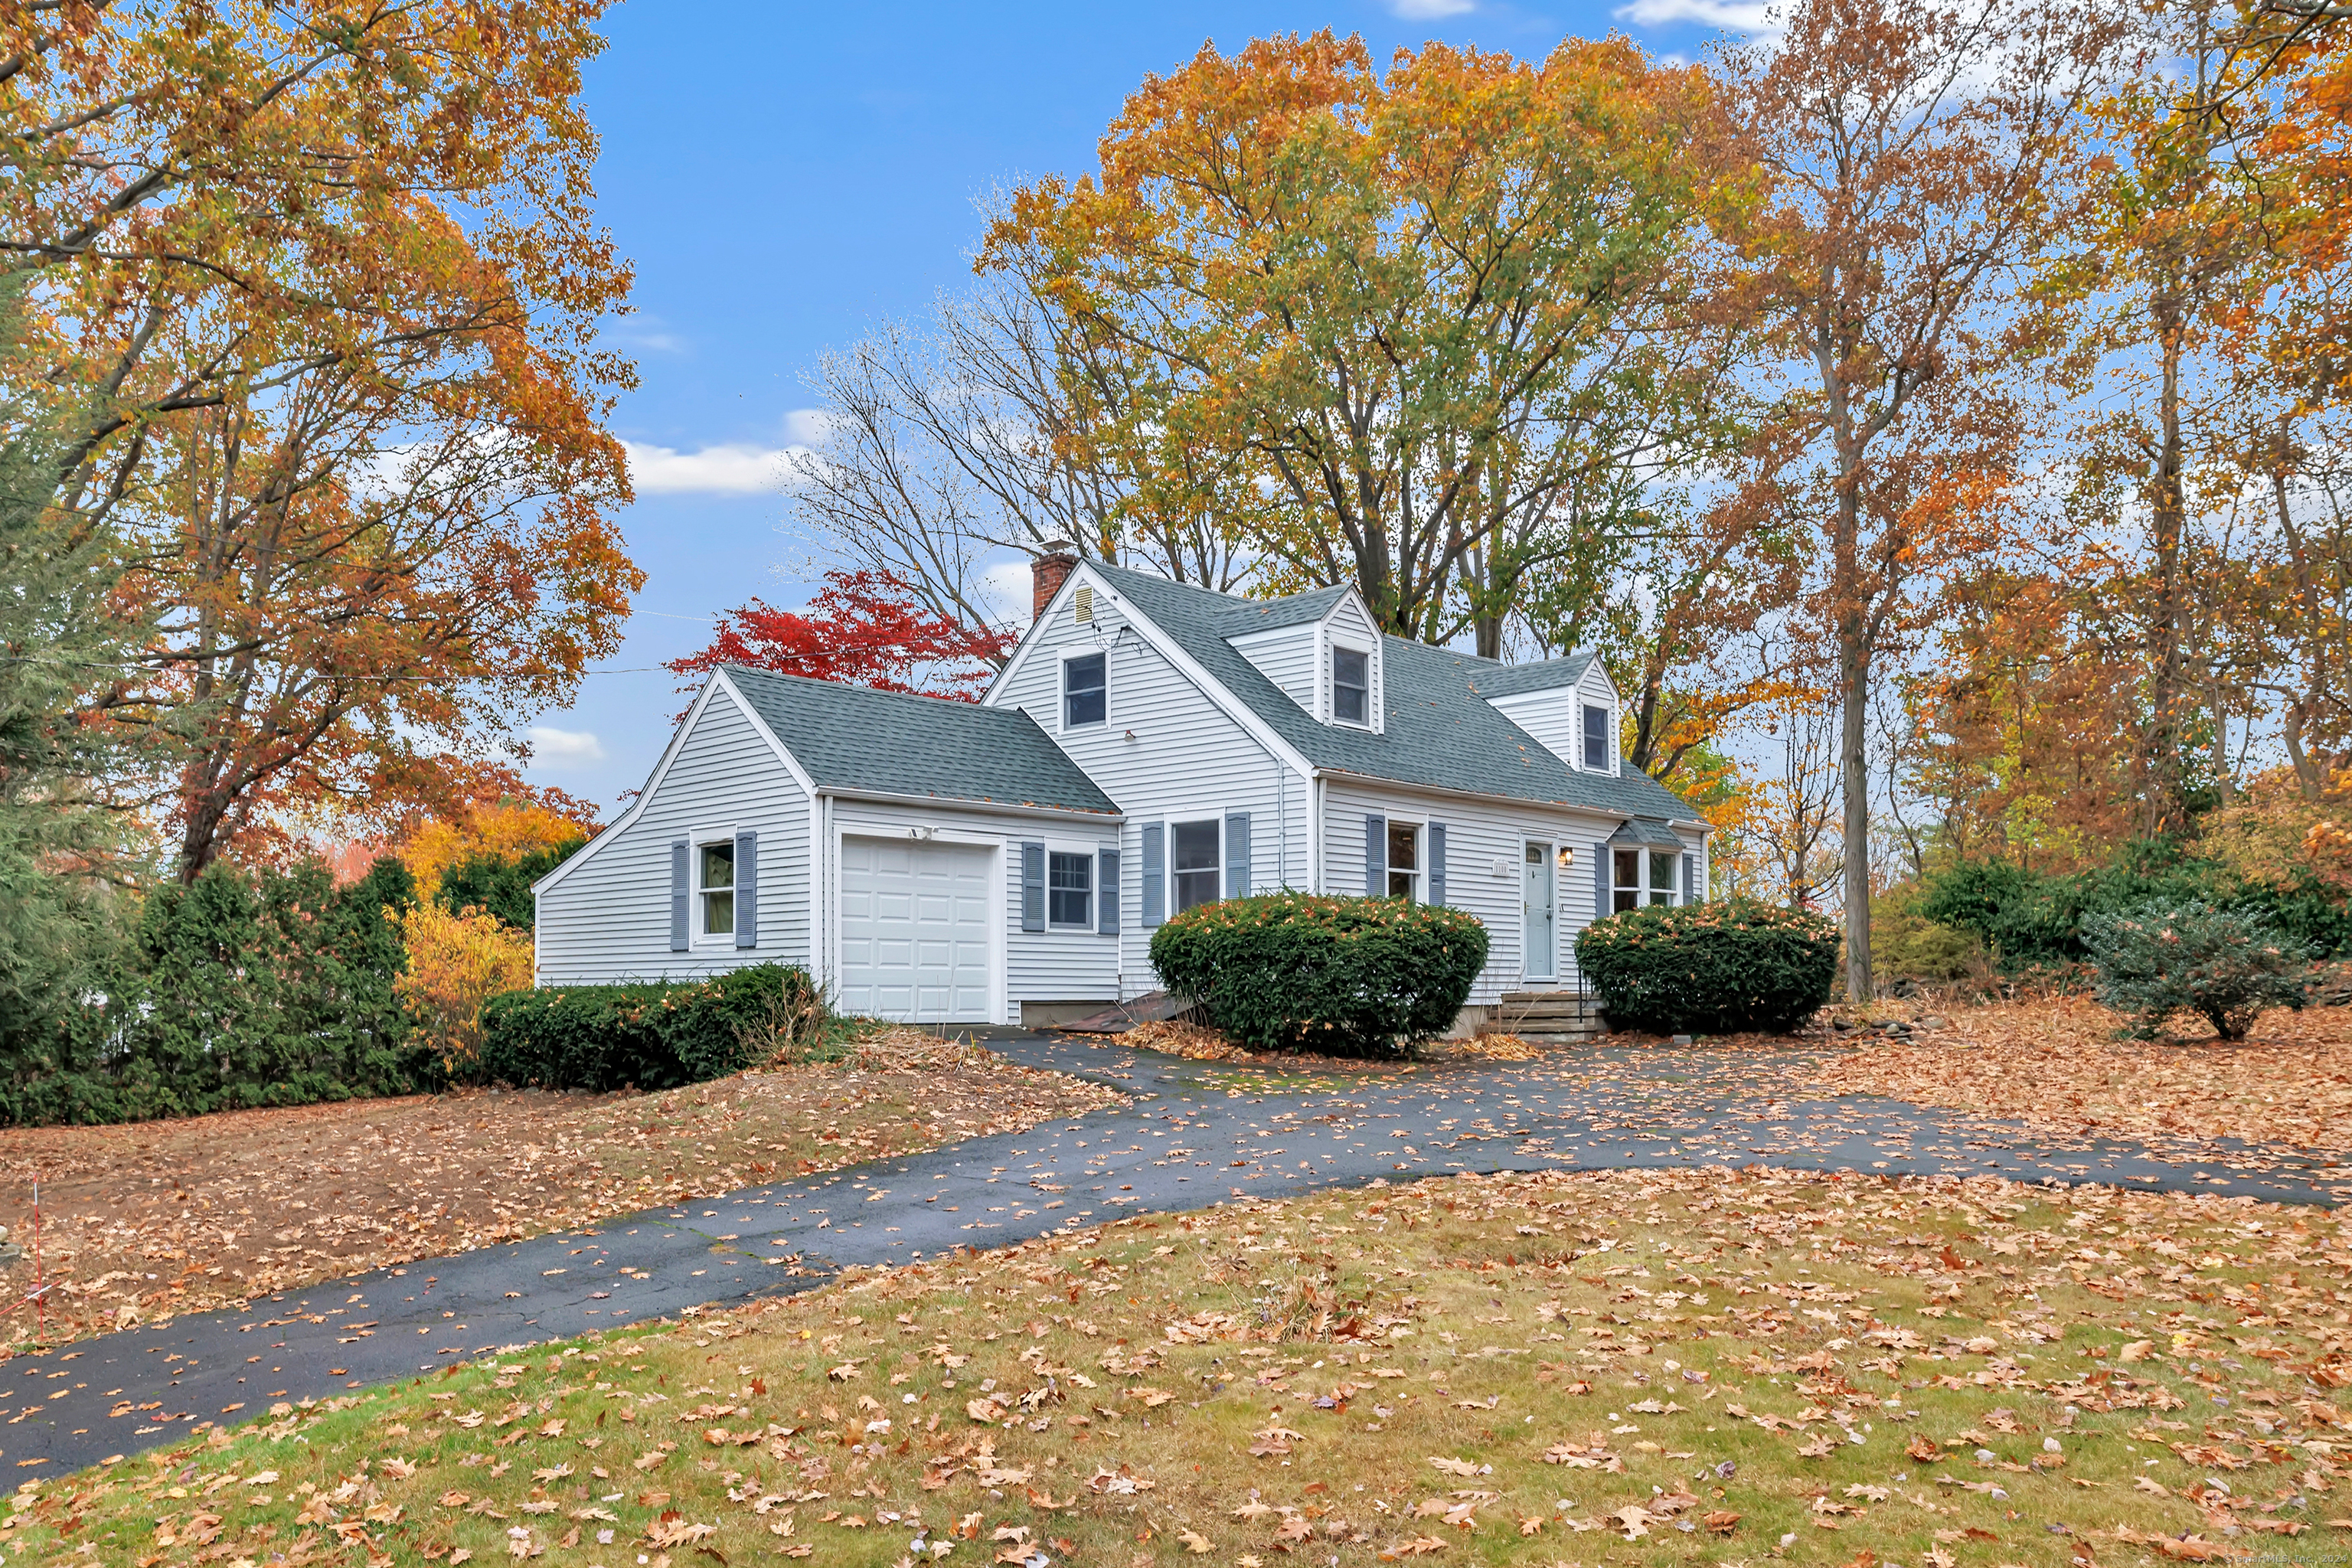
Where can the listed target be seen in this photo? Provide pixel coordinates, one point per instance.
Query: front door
(1540, 960)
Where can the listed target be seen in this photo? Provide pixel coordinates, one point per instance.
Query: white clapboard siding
(1288, 656)
(1047, 966)
(1478, 834)
(608, 919)
(1190, 760)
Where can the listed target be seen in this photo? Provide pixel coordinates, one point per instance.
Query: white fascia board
(792, 763)
(644, 796)
(957, 802)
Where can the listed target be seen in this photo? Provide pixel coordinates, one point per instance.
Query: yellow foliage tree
(508, 829)
(456, 963)
(460, 959)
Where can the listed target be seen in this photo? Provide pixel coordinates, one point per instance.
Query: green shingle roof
(1439, 729)
(1544, 675)
(850, 738)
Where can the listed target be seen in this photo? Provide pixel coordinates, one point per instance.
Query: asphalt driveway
(1196, 1134)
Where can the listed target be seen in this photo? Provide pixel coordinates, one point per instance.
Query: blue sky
(786, 176)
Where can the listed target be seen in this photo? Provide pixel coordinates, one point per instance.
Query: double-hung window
(1626, 878)
(1404, 861)
(1596, 739)
(1085, 690)
(1193, 862)
(1070, 890)
(715, 882)
(1662, 876)
(1352, 686)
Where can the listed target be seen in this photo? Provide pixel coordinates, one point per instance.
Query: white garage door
(914, 930)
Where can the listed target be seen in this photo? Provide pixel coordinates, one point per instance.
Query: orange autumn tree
(325, 281)
(1918, 152)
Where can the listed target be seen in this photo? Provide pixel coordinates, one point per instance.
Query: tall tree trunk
(1853, 770)
(2166, 811)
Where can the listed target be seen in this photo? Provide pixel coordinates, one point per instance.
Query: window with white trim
(1352, 686)
(1070, 890)
(714, 876)
(1404, 860)
(1194, 863)
(1085, 690)
(1596, 738)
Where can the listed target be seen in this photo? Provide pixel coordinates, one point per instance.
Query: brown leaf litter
(152, 1219)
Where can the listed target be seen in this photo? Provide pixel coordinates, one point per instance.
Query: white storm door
(915, 930)
(1540, 921)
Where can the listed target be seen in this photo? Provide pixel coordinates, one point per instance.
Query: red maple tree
(865, 628)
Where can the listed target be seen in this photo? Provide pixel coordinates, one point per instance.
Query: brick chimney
(1051, 569)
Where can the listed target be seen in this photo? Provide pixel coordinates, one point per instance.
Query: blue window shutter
(1690, 880)
(1601, 864)
(1376, 856)
(1155, 874)
(1107, 894)
(1032, 887)
(681, 859)
(1437, 862)
(747, 889)
(1237, 854)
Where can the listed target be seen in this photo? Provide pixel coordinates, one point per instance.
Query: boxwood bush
(2224, 965)
(1710, 968)
(1307, 972)
(649, 1036)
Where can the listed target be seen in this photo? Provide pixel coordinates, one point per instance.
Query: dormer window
(1596, 739)
(1352, 686)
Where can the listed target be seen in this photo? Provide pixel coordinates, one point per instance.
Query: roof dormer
(1322, 651)
(1568, 705)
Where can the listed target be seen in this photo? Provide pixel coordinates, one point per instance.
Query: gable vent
(1082, 606)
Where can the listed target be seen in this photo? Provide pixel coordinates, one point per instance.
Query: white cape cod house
(1150, 746)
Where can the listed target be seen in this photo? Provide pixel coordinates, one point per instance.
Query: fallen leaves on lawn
(249, 1202)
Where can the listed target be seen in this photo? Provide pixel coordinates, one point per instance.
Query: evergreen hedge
(649, 1036)
(1307, 972)
(246, 988)
(1714, 968)
(2031, 919)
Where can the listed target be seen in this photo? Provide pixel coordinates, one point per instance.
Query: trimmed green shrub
(246, 988)
(650, 1035)
(1711, 968)
(1307, 971)
(2225, 965)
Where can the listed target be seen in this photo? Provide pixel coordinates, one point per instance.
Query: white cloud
(1430, 10)
(565, 746)
(807, 426)
(1731, 16)
(734, 468)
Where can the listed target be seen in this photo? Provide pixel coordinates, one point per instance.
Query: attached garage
(916, 933)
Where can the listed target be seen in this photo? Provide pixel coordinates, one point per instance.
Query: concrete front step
(1549, 1017)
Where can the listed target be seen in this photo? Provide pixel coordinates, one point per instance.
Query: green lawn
(1625, 1368)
